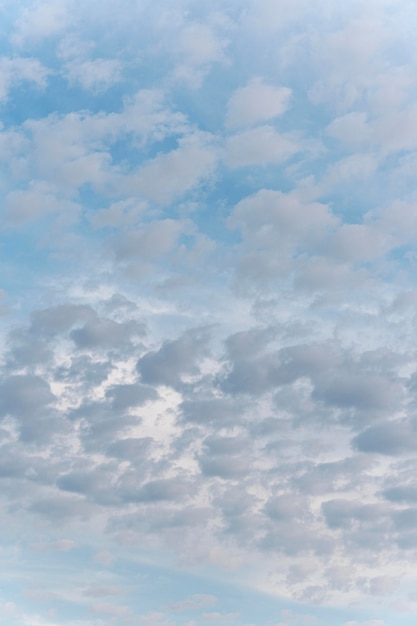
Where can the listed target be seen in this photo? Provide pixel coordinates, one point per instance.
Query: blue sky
(207, 313)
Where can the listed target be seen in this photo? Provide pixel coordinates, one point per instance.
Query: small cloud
(197, 601)
(101, 591)
(104, 558)
(95, 75)
(256, 102)
(111, 610)
(372, 622)
(219, 617)
(16, 70)
(41, 21)
(64, 545)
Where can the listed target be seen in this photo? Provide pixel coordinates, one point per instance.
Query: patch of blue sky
(28, 102)
(401, 265)
(24, 262)
(149, 583)
(8, 13)
(229, 187)
(130, 153)
(206, 106)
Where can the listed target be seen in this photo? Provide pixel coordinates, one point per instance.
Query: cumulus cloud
(257, 102)
(259, 146)
(171, 174)
(174, 359)
(391, 437)
(41, 20)
(15, 70)
(97, 74)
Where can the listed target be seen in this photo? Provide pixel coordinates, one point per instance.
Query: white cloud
(36, 202)
(15, 70)
(257, 102)
(42, 19)
(96, 74)
(197, 47)
(171, 174)
(268, 217)
(197, 601)
(372, 622)
(259, 146)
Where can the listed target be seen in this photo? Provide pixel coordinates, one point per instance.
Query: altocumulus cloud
(208, 373)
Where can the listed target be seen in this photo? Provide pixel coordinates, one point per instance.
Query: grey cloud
(196, 601)
(151, 242)
(41, 429)
(59, 319)
(252, 376)
(283, 367)
(293, 538)
(127, 396)
(226, 457)
(119, 302)
(248, 343)
(185, 517)
(271, 218)
(25, 350)
(83, 482)
(225, 445)
(225, 466)
(106, 333)
(406, 519)
(180, 169)
(401, 494)
(361, 391)
(98, 433)
(271, 426)
(101, 591)
(308, 359)
(239, 511)
(341, 513)
(24, 395)
(97, 485)
(324, 477)
(24, 476)
(321, 274)
(174, 359)
(170, 489)
(13, 464)
(391, 438)
(211, 410)
(100, 424)
(407, 540)
(286, 507)
(58, 508)
(164, 516)
(234, 500)
(85, 371)
(314, 482)
(132, 449)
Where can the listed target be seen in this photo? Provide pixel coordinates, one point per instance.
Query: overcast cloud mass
(208, 310)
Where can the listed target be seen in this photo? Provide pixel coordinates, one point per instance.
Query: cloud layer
(208, 311)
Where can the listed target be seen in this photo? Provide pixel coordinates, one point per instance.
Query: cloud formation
(208, 371)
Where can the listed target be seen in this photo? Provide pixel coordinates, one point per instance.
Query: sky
(208, 313)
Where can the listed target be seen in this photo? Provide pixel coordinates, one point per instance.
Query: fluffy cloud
(15, 70)
(257, 102)
(259, 146)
